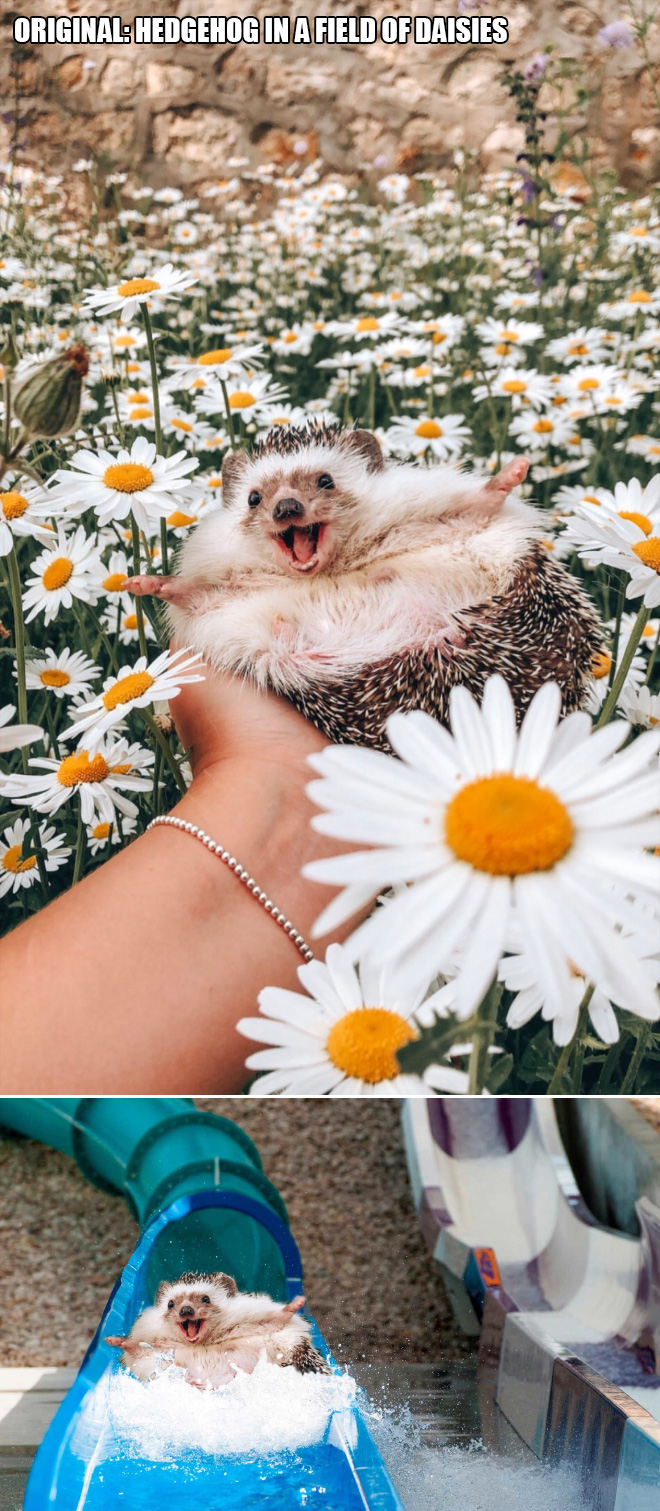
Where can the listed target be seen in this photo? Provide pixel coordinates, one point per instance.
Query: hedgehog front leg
(306, 1359)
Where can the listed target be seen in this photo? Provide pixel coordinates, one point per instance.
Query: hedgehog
(213, 1330)
(357, 588)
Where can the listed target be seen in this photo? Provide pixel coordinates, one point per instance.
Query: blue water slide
(195, 1183)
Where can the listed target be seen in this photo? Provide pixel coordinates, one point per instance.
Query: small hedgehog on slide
(356, 588)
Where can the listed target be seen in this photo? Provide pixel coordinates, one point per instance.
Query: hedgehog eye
(206, 1300)
(170, 1305)
(325, 481)
(254, 498)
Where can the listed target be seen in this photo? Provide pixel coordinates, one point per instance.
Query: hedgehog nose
(186, 1311)
(288, 508)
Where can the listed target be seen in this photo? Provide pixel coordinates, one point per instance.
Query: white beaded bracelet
(241, 873)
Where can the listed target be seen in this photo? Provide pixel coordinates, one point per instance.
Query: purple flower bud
(617, 34)
(536, 67)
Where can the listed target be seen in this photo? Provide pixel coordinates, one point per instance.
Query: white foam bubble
(267, 1412)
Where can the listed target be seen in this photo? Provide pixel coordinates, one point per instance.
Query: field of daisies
(516, 949)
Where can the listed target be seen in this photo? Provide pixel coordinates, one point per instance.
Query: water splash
(269, 1411)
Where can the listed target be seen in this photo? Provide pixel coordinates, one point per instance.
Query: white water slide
(570, 1307)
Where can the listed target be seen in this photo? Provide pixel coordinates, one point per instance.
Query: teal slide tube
(152, 1150)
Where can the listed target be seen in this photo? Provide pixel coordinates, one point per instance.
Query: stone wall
(176, 113)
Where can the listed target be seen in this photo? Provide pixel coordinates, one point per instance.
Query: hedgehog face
(298, 506)
(191, 1308)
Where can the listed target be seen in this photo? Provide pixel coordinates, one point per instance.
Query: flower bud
(110, 377)
(47, 400)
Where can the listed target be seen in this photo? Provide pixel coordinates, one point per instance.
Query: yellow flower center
(641, 520)
(127, 477)
(590, 498)
(112, 584)
(130, 622)
(209, 359)
(13, 505)
(438, 338)
(648, 631)
(121, 342)
(508, 336)
(135, 286)
(363, 1043)
(101, 831)
(513, 385)
(240, 400)
(214, 482)
(648, 552)
(125, 689)
(290, 336)
(600, 666)
(182, 425)
(143, 413)
(57, 574)
(12, 860)
(508, 826)
(367, 323)
(543, 426)
(429, 430)
(122, 769)
(503, 348)
(78, 768)
(177, 520)
(53, 677)
(576, 349)
(585, 384)
(639, 230)
(139, 398)
(639, 296)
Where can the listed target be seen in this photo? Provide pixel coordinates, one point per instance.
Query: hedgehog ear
(233, 467)
(368, 446)
(226, 1281)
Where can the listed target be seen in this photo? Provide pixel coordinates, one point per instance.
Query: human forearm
(133, 981)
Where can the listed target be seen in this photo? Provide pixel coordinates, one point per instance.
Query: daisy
(639, 705)
(221, 362)
(103, 833)
(519, 384)
(122, 619)
(490, 826)
(538, 431)
(67, 570)
(501, 336)
(18, 516)
(628, 539)
(67, 674)
(365, 327)
(581, 343)
(99, 778)
(136, 687)
(114, 574)
(19, 735)
(167, 283)
(519, 974)
(18, 869)
(339, 1040)
(248, 397)
(137, 482)
(445, 435)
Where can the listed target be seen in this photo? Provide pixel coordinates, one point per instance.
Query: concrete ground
(341, 1170)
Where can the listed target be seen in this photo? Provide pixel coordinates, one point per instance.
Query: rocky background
(340, 1167)
(176, 114)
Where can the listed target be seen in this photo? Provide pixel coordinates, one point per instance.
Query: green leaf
(500, 1073)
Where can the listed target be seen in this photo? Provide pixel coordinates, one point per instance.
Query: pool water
(317, 1479)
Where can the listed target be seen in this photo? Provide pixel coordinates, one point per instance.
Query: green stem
(482, 1038)
(654, 652)
(158, 766)
(120, 428)
(612, 698)
(158, 433)
(609, 1066)
(230, 417)
(135, 537)
(617, 632)
(574, 1044)
(170, 758)
(80, 849)
(628, 1083)
(19, 642)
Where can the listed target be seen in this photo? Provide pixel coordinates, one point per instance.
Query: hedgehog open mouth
(300, 544)
(192, 1327)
